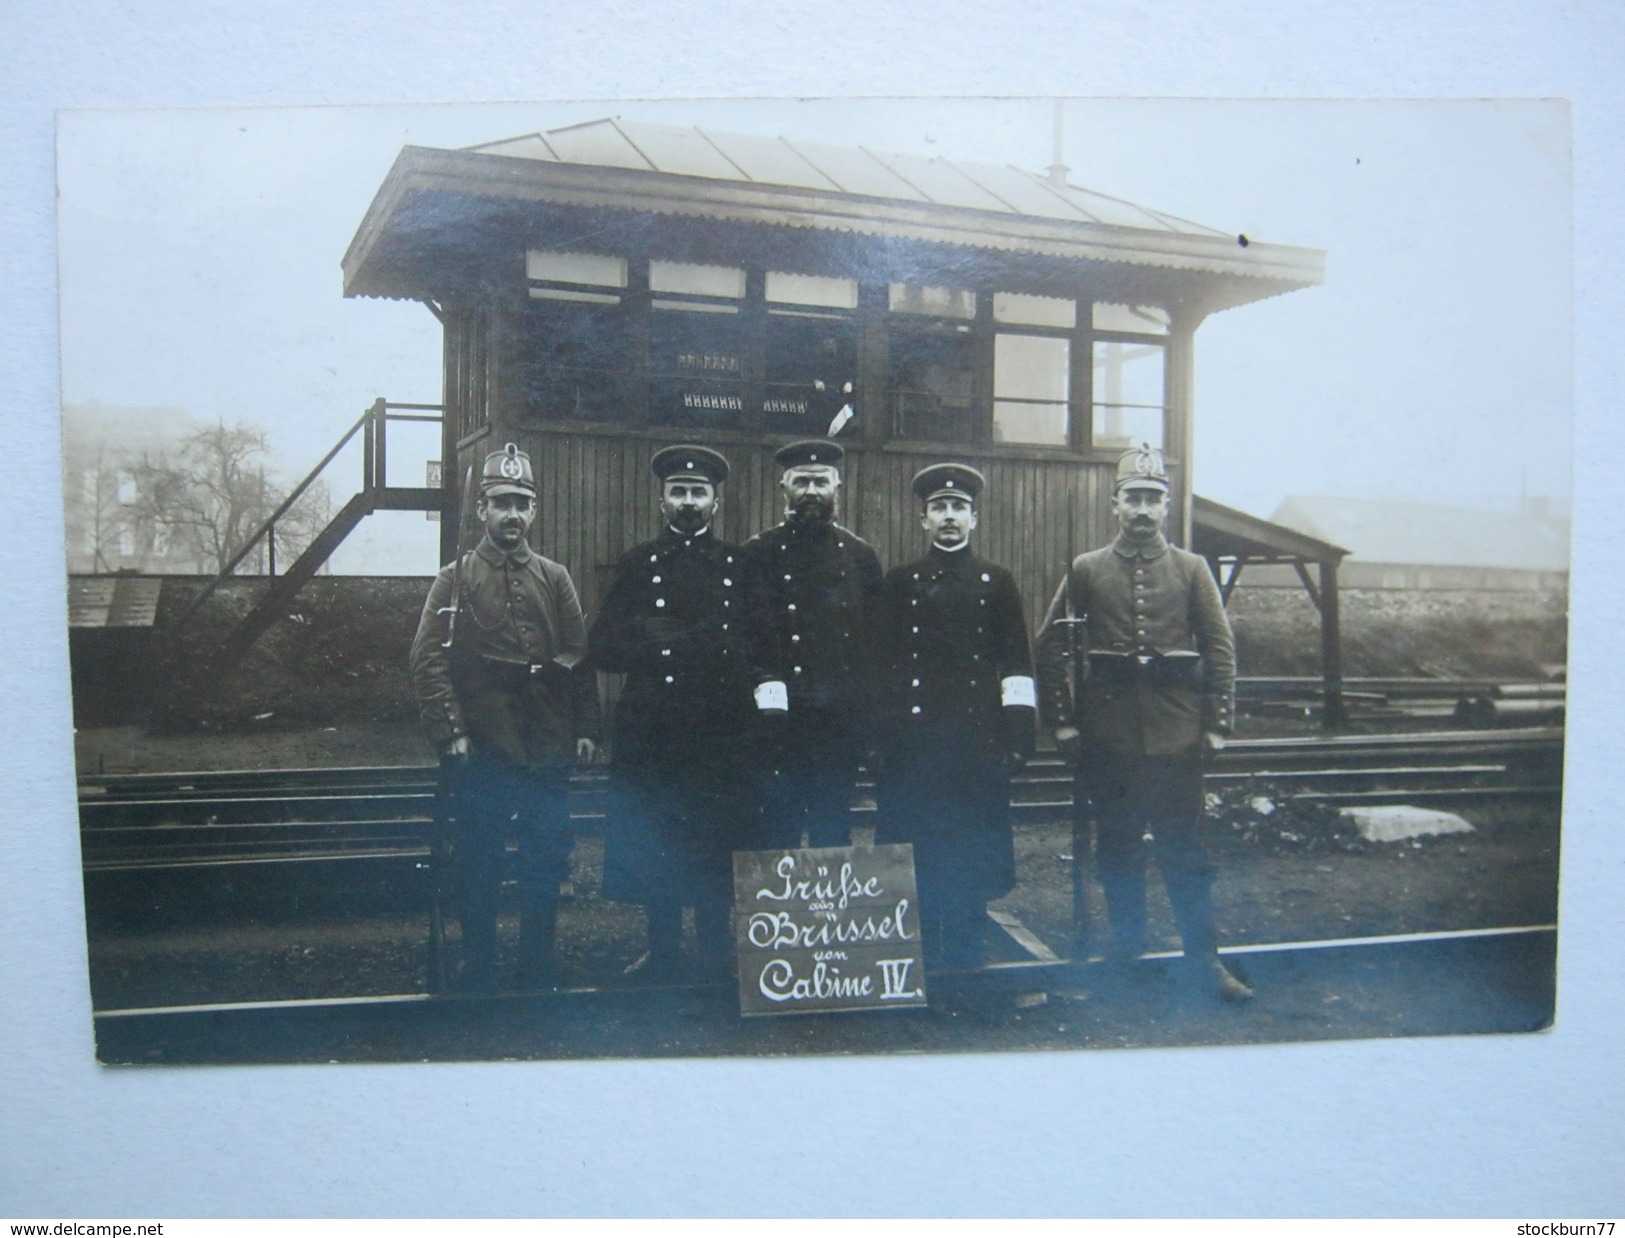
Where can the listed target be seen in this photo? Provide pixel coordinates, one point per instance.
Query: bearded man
(811, 592)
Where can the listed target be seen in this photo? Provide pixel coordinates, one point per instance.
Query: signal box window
(932, 395)
(1017, 307)
(811, 371)
(696, 346)
(1130, 319)
(696, 368)
(818, 291)
(593, 279)
(1031, 379)
(572, 365)
(1129, 406)
(931, 300)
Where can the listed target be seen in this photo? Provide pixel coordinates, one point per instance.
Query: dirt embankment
(340, 656)
(1389, 632)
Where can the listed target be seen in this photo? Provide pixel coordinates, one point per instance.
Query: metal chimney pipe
(1057, 169)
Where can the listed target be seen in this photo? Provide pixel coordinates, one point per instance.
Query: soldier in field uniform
(495, 669)
(1157, 665)
(672, 624)
(811, 589)
(958, 716)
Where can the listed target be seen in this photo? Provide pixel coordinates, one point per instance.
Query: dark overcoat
(950, 632)
(811, 597)
(672, 624)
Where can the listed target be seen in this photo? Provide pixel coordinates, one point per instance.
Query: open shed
(1232, 541)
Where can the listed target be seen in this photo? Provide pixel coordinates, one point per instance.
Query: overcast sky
(200, 269)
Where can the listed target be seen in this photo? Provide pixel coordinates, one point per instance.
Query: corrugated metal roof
(693, 151)
(1420, 534)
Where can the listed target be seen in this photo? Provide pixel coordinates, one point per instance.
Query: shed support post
(453, 399)
(1179, 386)
(1331, 649)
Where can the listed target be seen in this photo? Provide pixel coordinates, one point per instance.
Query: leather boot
(665, 935)
(713, 929)
(1125, 909)
(479, 974)
(964, 937)
(1192, 901)
(538, 941)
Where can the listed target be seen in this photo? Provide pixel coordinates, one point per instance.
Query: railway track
(135, 823)
(1411, 700)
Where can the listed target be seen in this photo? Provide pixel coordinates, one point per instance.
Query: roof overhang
(1219, 532)
(442, 217)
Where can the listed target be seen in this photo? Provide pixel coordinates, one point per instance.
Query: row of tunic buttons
(727, 583)
(975, 657)
(915, 683)
(517, 592)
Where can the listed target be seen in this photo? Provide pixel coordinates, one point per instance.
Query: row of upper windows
(579, 362)
(586, 275)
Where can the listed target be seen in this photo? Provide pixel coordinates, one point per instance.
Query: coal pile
(1258, 816)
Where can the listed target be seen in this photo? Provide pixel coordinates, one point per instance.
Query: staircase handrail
(375, 411)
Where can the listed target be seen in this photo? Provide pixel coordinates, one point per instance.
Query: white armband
(1019, 690)
(772, 695)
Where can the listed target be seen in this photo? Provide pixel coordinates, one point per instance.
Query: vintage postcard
(699, 578)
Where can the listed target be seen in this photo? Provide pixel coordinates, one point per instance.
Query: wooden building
(612, 287)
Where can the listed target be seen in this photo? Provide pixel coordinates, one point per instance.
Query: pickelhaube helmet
(507, 472)
(1142, 467)
(940, 479)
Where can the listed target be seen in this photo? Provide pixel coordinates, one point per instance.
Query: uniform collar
(1151, 550)
(672, 537)
(956, 559)
(497, 557)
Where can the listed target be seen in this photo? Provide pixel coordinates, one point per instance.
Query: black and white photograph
(701, 579)
(339, 897)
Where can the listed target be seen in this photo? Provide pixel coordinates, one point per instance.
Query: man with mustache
(1157, 675)
(811, 589)
(671, 623)
(957, 708)
(494, 666)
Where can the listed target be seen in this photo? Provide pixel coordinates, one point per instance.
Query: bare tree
(212, 495)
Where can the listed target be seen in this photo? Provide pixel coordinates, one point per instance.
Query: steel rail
(1052, 964)
(193, 820)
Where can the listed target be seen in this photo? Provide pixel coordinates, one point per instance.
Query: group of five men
(760, 678)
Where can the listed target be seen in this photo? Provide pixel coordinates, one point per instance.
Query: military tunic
(810, 596)
(1141, 605)
(672, 623)
(510, 685)
(951, 630)
(1145, 702)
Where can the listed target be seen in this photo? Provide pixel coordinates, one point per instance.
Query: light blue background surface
(1525, 1126)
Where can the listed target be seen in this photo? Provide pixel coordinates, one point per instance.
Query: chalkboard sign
(827, 928)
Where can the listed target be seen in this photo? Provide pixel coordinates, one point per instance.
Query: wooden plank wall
(598, 498)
